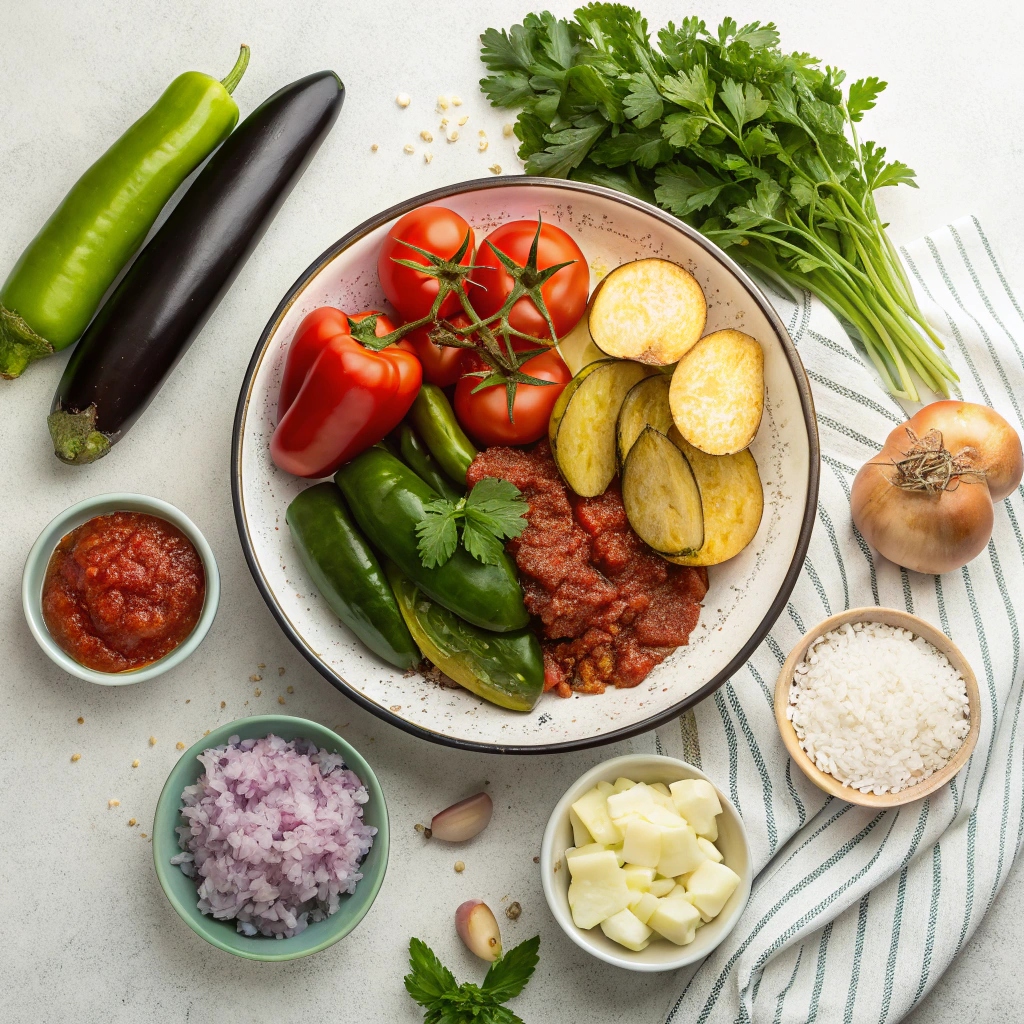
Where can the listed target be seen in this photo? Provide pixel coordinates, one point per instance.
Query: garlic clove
(463, 820)
(478, 929)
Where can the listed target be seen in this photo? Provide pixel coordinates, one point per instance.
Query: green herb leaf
(564, 151)
(862, 96)
(429, 979)
(643, 104)
(507, 977)
(438, 533)
(492, 512)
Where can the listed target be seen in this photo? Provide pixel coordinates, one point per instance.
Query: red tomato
(565, 294)
(484, 416)
(442, 364)
(436, 229)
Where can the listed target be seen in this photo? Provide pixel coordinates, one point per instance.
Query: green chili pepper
(418, 459)
(387, 499)
(504, 668)
(347, 573)
(56, 286)
(432, 416)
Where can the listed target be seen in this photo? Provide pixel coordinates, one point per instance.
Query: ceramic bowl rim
(938, 639)
(560, 814)
(801, 382)
(59, 526)
(191, 915)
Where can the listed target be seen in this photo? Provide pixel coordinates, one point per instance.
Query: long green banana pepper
(56, 286)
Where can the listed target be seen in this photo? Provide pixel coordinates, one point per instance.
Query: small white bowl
(70, 519)
(661, 955)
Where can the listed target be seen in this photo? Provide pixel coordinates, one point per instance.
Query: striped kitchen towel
(854, 913)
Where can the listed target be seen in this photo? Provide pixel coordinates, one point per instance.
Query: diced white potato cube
(644, 907)
(620, 856)
(660, 787)
(683, 879)
(710, 887)
(621, 785)
(679, 851)
(592, 810)
(662, 886)
(627, 930)
(577, 851)
(697, 801)
(677, 892)
(638, 877)
(642, 845)
(675, 920)
(636, 800)
(598, 888)
(592, 862)
(580, 833)
(664, 817)
(635, 895)
(711, 851)
(605, 788)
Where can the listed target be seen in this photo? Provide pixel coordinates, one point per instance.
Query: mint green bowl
(181, 890)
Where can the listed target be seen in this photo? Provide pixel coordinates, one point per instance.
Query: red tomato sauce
(610, 609)
(123, 590)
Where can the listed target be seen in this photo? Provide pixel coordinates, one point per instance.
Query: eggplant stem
(76, 441)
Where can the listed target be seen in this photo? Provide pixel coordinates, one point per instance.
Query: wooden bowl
(831, 785)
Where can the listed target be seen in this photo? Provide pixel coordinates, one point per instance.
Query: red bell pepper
(337, 397)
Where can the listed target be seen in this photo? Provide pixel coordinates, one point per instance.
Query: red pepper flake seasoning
(123, 590)
(610, 609)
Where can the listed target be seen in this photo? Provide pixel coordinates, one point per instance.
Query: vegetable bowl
(747, 590)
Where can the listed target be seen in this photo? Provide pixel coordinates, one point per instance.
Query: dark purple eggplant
(174, 286)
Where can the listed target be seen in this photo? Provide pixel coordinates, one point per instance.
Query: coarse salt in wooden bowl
(830, 784)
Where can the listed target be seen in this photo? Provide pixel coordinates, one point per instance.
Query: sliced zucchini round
(646, 405)
(582, 427)
(661, 497)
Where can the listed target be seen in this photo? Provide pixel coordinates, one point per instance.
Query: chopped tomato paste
(123, 590)
(610, 609)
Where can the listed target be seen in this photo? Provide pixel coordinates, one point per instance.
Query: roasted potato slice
(646, 405)
(732, 500)
(582, 427)
(577, 348)
(717, 393)
(649, 310)
(661, 496)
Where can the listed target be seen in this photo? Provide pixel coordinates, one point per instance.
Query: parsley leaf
(492, 512)
(438, 534)
(434, 987)
(755, 146)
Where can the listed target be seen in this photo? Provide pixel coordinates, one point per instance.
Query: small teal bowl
(181, 890)
(72, 518)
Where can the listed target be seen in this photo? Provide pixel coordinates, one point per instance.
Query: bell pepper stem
(235, 74)
(19, 344)
(76, 440)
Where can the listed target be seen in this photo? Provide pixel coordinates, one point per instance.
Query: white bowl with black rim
(746, 594)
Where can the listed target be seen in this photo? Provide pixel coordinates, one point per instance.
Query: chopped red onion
(275, 834)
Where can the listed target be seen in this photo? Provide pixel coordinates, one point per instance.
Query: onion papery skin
(966, 424)
(928, 531)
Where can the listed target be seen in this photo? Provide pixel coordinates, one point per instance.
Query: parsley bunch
(434, 987)
(491, 513)
(756, 148)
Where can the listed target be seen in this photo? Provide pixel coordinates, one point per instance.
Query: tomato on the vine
(484, 415)
(442, 364)
(564, 293)
(436, 229)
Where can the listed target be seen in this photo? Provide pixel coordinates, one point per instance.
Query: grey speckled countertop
(87, 935)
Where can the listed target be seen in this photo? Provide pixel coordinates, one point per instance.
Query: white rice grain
(878, 708)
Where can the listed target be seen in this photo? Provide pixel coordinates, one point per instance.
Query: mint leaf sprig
(494, 511)
(434, 987)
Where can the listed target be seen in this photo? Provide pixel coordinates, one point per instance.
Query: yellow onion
(926, 501)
